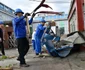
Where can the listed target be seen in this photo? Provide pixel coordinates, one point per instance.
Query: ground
(73, 62)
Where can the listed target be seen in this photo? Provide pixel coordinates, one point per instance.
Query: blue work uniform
(20, 33)
(39, 32)
(19, 26)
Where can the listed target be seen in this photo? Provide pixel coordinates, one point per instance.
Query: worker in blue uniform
(20, 33)
(1, 38)
(39, 32)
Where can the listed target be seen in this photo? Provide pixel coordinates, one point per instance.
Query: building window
(1, 6)
(10, 11)
(62, 30)
(6, 9)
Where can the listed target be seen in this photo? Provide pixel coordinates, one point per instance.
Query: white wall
(64, 24)
(73, 22)
(34, 26)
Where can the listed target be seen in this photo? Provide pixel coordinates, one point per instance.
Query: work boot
(37, 53)
(40, 55)
(24, 65)
(18, 59)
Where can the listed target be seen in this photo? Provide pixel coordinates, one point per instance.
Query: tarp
(64, 47)
(76, 38)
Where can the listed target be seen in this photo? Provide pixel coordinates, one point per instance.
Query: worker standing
(39, 32)
(1, 38)
(20, 33)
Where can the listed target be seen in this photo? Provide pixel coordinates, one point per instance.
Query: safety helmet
(43, 21)
(18, 11)
(1, 22)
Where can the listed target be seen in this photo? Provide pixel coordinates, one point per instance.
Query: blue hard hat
(1, 22)
(18, 11)
(43, 21)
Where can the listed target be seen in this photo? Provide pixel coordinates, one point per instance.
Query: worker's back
(39, 31)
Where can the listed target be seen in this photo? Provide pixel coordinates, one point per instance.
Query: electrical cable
(52, 1)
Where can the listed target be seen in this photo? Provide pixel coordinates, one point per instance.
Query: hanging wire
(52, 1)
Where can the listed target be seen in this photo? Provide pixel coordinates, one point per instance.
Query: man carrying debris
(20, 33)
(1, 38)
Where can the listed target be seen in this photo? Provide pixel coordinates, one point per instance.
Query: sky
(30, 5)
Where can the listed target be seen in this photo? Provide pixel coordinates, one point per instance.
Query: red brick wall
(6, 30)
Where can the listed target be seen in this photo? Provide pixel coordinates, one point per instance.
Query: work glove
(27, 14)
(33, 14)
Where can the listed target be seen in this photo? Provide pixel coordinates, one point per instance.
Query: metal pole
(28, 26)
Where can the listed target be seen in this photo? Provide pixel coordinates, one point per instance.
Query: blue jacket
(19, 26)
(40, 30)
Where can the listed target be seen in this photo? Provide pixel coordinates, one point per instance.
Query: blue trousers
(37, 45)
(33, 42)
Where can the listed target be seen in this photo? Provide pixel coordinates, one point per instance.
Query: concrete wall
(6, 13)
(5, 16)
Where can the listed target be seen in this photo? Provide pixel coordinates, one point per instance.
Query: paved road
(72, 62)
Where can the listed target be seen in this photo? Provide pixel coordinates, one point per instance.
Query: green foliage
(3, 57)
